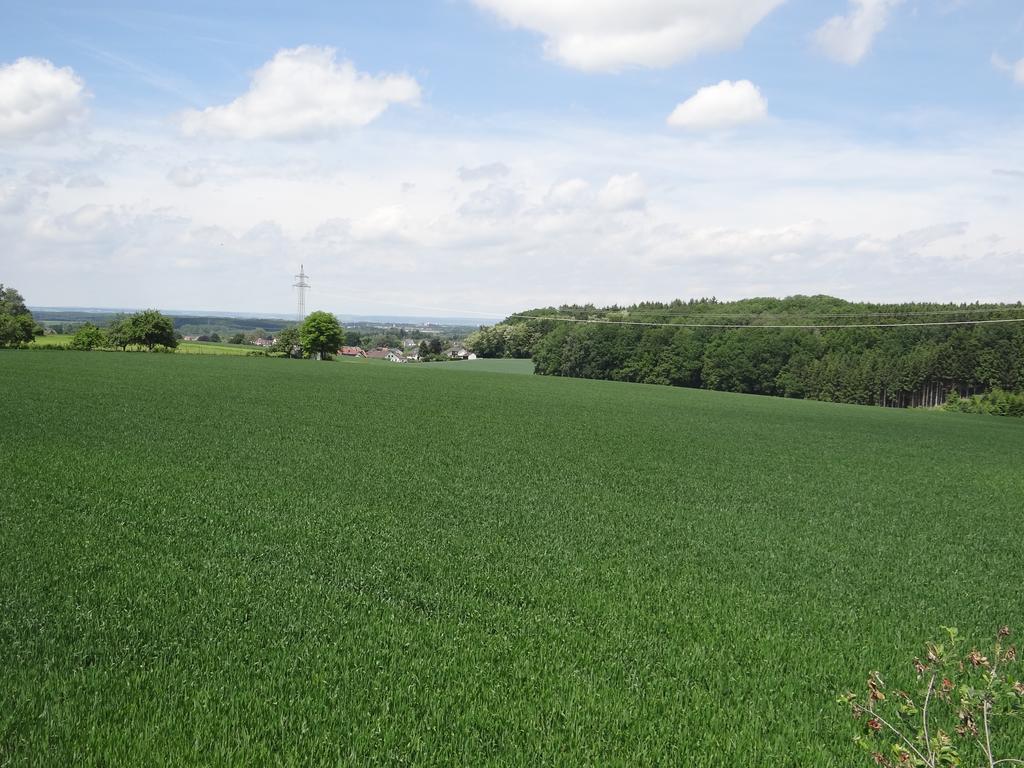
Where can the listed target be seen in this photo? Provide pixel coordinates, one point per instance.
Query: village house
(352, 352)
(386, 353)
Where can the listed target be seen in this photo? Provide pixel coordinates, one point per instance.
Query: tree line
(659, 343)
(319, 336)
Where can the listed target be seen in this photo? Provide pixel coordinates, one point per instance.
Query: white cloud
(623, 193)
(794, 211)
(610, 35)
(44, 177)
(185, 176)
(85, 181)
(494, 201)
(303, 92)
(566, 195)
(484, 172)
(384, 224)
(848, 38)
(16, 197)
(724, 105)
(37, 97)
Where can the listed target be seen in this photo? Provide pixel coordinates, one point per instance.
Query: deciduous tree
(16, 323)
(321, 335)
(288, 342)
(151, 329)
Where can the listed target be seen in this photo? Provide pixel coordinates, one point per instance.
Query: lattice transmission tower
(302, 285)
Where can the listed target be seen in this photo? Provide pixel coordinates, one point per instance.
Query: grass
(231, 561)
(213, 348)
(56, 339)
(184, 347)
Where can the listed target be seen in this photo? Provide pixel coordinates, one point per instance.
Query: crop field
(490, 366)
(228, 560)
(184, 347)
(56, 339)
(213, 348)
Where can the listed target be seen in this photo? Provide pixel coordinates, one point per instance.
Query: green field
(243, 561)
(184, 347)
(489, 366)
(53, 340)
(213, 348)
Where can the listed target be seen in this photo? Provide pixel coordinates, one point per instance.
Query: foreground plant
(960, 700)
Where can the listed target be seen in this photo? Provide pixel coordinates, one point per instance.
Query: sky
(480, 157)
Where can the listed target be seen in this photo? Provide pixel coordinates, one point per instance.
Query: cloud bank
(576, 215)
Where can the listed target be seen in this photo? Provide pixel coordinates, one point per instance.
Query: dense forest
(903, 355)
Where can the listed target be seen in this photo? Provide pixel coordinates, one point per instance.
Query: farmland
(213, 348)
(54, 340)
(230, 560)
(183, 348)
(498, 365)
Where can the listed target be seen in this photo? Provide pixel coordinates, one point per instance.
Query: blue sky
(866, 148)
(932, 56)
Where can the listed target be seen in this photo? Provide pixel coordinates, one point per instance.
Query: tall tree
(321, 335)
(119, 332)
(287, 341)
(151, 329)
(16, 323)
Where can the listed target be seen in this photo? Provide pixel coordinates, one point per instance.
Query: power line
(806, 327)
(467, 313)
(894, 313)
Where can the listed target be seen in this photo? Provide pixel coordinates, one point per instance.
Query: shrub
(961, 697)
(88, 337)
(996, 403)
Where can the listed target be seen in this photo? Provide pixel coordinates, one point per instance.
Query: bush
(88, 337)
(961, 697)
(995, 403)
(46, 347)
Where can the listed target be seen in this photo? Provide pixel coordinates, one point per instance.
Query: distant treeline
(69, 321)
(858, 361)
(360, 333)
